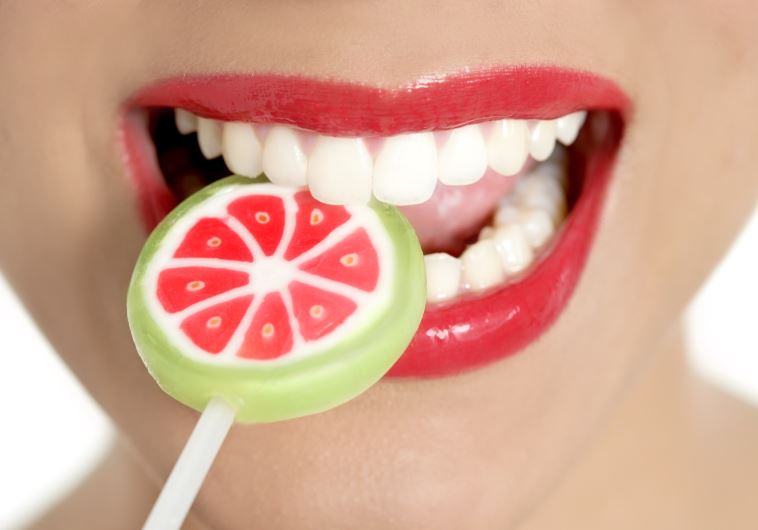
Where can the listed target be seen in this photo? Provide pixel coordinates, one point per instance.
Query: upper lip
(450, 338)
(349, 109)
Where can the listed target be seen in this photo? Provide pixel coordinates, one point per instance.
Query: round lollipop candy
(257, 303)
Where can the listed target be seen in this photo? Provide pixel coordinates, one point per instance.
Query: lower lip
(473, 331)
(479, 330)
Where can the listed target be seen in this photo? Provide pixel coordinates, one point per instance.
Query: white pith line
(252, 244)
(334, 237)
(325, 284)
(226, 296)
(210, 263)
(297, 336)
(238, 337)
(290, 218)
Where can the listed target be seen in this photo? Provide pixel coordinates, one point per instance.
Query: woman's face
(469, 450)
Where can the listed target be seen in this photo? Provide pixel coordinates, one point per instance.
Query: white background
(50, 439)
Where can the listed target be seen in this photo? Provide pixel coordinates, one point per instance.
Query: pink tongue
(454, 214)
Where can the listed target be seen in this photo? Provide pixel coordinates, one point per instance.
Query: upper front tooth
(482, 265)
(186, 122)
(443, 276)
(209, 137)
(463, 159)
(542, 139)
(567, 127)
(284, 161)
(514, 249)
(242, 149)
(405, 171)
(339, 170)
(507, 146)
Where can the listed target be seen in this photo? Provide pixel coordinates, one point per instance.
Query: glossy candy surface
(279, 304)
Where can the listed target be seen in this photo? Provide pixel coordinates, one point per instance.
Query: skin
(476, 451)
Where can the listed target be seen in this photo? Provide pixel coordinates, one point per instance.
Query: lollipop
(257, 303)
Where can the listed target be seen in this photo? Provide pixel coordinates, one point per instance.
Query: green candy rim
(323, 380)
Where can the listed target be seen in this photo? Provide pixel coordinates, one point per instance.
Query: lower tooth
(513, 247)
(443, 276)
(537, 226)
(486, 233)
(545, 195)
(506, 214)
(482, 265)
(538, 186)
(209, 137)
(555, 207)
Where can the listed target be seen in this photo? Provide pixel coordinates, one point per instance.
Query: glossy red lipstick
(474, 330)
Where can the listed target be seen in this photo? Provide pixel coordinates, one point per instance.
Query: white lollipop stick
(190, 470)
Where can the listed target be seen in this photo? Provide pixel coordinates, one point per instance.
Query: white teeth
(463, 159)
(507, 213)
(405, 171)
(542, 139)
(486, 233)
(241, 148)
(537, 226)
(539, 184)
(443, 276)
(482, 265)
(542, 193)
(513, 247)
(209, 137)
(567, 127)
(284, 161)
(339, 170)
(507, 146)
(186, 122)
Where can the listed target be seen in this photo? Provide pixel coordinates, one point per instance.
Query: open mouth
(502, 174)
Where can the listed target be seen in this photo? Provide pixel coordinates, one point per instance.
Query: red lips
(470, 331)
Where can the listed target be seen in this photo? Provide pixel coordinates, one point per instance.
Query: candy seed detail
(214, 242)
(262, 217)
(316, 216)
(195, 285)
(267, 331)
(213, 322)
(349, 260)
(317, 311)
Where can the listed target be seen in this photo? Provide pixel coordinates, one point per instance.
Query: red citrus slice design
(268, 274)
(212, 238)
(211, 329)
(318, 311)
(270, 334)
(182, 287)
(353, 261)
(315, 221)
(263, 217)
